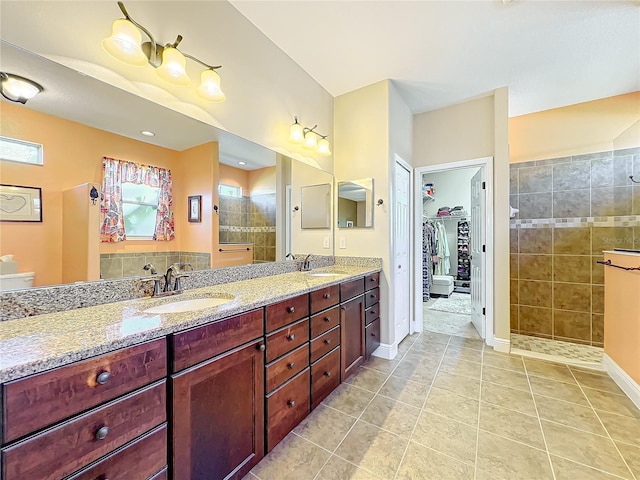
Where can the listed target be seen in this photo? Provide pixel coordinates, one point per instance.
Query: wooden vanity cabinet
(217, 398)
(351, 326)
(372, 313)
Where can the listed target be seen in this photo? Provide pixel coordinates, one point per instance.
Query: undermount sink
(325, 274)
(189, 305)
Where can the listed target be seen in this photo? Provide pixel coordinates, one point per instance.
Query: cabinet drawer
(201, 343)
(286, 407)
(351, 289)
(161, 475)
(40, 400)
(288, 366)
(372, 281)
(371, 313)
(286, 339)
(141, 458)
(324, 343)
(372, 337)
(371, 297)
(287, 311)
(65, 448)
(321, 322)
(325, 377)
(324, 298)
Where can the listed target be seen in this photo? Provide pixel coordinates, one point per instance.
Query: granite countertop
(35, 344)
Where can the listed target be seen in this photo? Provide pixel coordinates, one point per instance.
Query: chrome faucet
(303, 265)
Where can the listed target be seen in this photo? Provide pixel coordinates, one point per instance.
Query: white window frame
(148, 204)
(36, 146)
(237, 188)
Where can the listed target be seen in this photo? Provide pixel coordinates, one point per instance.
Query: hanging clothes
(429, 252)
(444, 265)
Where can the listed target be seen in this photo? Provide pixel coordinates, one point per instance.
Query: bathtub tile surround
(59, 298)
(523, 418)
(571, 209)
(119, 265)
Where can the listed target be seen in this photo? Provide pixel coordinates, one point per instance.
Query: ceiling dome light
(148, 133)
(323, 147)
(173, 67)
(242, 163)
(296, 133)
(124, 43)
(310, 140)
(209, 88)
(17, 88)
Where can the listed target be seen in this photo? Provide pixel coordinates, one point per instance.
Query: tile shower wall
(571, 209)
(250, 220)
(120, 265)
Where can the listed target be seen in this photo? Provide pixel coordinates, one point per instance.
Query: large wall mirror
(355, 203)
(231, 198)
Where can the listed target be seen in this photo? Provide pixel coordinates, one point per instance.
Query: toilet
(442, 285)
(16, 281)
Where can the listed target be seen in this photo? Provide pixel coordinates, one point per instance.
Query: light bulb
(124, 43)
(310, 140)
(323, 147)
(296, 133)
(173, 67)
(209, 87)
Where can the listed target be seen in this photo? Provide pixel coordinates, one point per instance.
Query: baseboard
(622, 379)
(386, 351)
(501, 344)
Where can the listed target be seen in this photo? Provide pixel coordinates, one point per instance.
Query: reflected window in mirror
(230, 190)
(355, 203)
(140, 208)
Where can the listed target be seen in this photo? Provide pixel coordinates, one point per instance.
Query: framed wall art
(20, 204)
(195, 208)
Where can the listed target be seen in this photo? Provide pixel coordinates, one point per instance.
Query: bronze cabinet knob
(262, 347)
(102, 433)
(291, 309)
(327, 341)
(291, 364)
(327, 319)
(328, 374)
(291, 403)
(291, 337)
(327, 295)
(103, 378)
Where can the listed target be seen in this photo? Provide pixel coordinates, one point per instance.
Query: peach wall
(262, 180)
(234, 176)
(622, 313)
(72, 156)
(197, 173)
(582, 128)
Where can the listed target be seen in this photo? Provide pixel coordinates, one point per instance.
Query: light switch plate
(325, 242)
(343, 242)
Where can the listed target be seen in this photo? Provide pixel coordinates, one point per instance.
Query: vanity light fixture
(309, 138)
(125, 44)
(18, 89)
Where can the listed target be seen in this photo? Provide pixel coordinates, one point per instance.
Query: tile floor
(571, 351)
(447, 408)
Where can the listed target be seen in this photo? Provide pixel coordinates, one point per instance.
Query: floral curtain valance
(117, 172)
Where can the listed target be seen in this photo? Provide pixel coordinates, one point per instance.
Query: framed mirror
(315, 205)
(79, 120)
(355, 203)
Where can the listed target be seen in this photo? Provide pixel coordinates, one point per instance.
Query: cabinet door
(218, 416)
(352, 335)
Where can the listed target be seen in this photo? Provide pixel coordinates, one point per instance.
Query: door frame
(488, 273)
(398, 160)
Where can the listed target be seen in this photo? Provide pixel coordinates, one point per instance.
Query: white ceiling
(550, 53)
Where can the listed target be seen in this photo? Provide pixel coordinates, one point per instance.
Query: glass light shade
(173, 66)
(209, 87)
(296, 134)
(323, 147)
(18, 89)
(124, 43)
(310, 140)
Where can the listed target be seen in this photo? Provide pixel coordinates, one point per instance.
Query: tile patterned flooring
(449, 408)
(570, 351)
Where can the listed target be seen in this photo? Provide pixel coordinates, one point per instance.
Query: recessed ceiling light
(242, 163)
(147, 133)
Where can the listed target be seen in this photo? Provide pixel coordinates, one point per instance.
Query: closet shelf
(427, 198)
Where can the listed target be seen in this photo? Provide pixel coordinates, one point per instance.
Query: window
(229, 190)
(20, 151)
(139, 207)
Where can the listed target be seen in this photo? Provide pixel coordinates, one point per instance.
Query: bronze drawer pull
(291, 337)
(291, 309)
(262, 347)
(373, 334)
(327, 341)
(327, 295)
(291, 403)
(327, 374)
(102, 433)
(103, 378)
(327, 319)
(372, 296)
(372, 279)
(291, 364)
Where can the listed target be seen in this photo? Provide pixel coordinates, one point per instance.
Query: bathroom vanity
(113, 392)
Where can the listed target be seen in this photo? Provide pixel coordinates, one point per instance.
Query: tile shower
(571, 209)
(119, 265)
(250, 220)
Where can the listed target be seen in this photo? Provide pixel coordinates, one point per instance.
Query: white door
(288, 220)
(402, 248)
(477, 241)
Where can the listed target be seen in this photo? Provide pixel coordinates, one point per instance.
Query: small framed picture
(195, 208)
(20, 204)
(349, 223)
